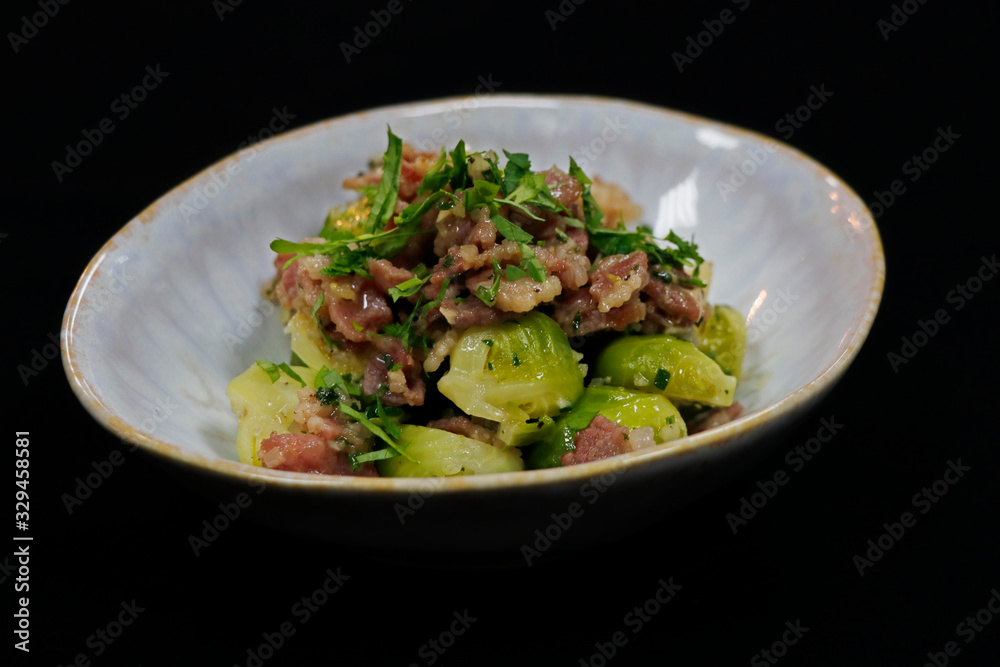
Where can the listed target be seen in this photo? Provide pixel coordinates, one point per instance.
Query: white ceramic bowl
(169, 311)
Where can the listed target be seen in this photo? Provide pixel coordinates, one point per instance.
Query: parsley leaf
(592, 213)
(661, 379)
(384, 204)
(459, 167)
(518, 165)
(374, 428)
(489, 296)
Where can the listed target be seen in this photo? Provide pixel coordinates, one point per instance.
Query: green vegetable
(723, 337)
(384, 204)
(438, 453)
(545, 378)
(634, 361)
(627, 407)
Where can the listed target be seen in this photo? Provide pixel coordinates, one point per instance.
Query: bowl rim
(687, 446)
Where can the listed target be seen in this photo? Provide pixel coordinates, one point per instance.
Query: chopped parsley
(661, 379)
(489, 295)
(384, 202)
(274, 371)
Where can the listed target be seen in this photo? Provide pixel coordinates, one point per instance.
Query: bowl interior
(171, 309)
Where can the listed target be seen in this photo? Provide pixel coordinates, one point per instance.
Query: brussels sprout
(723, 337)
(633, 409)
(520, 370)
(263, 407)
(309, 346)
(440, 453)
(666, 365)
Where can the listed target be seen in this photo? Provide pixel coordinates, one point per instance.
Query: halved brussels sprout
(665, 365)
(263, 407)
(634, 409)
(309, 346)
(440, 453)
(520, 370)
(723, 337)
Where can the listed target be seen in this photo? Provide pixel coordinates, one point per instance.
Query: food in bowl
(463, 317)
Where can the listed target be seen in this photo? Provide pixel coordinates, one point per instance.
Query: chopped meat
(566, 189)
(387, 275)
(483, 235)
(578, 315)
(614, 203)
(674, 305)
(397, 369)
(465, 426)
(616, 278)
(714, 417)
(305, 452)
(471, 312)
(602, 439)
(574, 256)
(357, 307)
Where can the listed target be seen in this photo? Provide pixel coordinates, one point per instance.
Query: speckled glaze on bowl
(169, 311)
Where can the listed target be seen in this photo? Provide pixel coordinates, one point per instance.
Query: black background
(792, 562)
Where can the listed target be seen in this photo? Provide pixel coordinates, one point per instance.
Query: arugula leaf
(384, 203)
